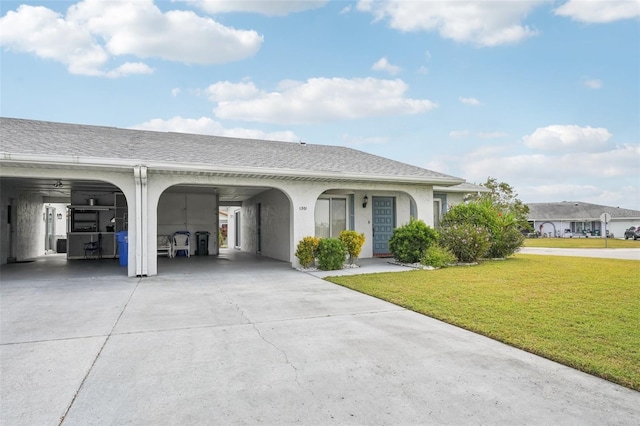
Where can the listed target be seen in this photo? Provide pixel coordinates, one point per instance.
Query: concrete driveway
(245, 340)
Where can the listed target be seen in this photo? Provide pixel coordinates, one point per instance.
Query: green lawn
(581, 243)
(581, 312)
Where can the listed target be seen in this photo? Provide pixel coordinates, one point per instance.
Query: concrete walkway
(245, 340)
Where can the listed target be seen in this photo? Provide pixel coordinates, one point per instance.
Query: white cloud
(470, 101)
(175, 91)
(481, 23)
(383, 65)
(130, 68)
(207, 126)
(268, 8)
(140, 28)
(457, 134)
(227, 91)
(568, 138)
(38, 30)
(317, 100)
(619, 162)
(492, 135)
(593, 83)
(599, 11)
(93, 32)
(601, 176)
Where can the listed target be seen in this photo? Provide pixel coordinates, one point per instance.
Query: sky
(542, 95)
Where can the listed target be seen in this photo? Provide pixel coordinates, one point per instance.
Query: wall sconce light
(58, 184)
(365, 200)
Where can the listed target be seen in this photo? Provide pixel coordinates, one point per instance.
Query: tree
(505, 198)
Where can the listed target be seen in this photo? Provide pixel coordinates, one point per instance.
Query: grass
(581, 312)
(581, 243)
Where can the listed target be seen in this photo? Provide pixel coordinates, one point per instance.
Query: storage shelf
(109, 212)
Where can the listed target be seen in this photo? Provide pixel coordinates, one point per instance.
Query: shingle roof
(31, 137)
(575, 210)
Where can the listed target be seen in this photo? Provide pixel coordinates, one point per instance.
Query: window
(437, 213)
(330, 217)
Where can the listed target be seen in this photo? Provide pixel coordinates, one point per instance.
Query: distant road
(630, 254)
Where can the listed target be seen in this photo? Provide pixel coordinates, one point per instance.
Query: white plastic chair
(164, 245)
(181, 242)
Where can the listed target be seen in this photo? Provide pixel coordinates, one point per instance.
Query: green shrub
(353, 242)
(409, 242)
(307, 251)
(467, 241)
(438, 256)
(503, 227)
(331, 254)
(506, 239)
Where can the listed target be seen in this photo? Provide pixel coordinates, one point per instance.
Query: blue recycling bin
(122, 238)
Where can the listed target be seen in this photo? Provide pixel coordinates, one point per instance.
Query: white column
(303, 203)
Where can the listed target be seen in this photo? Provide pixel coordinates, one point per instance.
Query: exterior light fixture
(58, 184)
(365, 200)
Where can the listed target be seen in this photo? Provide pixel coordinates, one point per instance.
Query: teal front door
(383, 223)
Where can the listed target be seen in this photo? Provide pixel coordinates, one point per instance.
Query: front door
(383, 224)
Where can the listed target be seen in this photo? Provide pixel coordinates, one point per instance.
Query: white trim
(58, 160)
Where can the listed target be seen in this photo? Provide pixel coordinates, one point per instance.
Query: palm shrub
(353, 242)
(307, 250)
(409, 242)
(331, 254)
(468, 242)
(438, 256)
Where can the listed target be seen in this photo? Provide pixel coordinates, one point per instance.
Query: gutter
(58, 160)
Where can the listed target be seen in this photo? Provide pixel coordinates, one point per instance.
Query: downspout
(138, 182)
(143, 231)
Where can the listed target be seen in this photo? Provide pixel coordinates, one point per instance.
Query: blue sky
(543, 95)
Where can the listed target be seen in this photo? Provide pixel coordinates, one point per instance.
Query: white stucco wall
(191, 212)
(275, 228)
(7, 233)
(615, 227)
(26, 232)
(618, 226)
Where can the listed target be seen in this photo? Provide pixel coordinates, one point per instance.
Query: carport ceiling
(51, 188)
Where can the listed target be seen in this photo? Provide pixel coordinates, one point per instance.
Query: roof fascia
(58, 160)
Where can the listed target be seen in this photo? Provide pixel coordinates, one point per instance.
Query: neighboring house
(156, 183)
(576, 219)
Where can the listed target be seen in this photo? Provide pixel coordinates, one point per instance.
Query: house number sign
(302, 207)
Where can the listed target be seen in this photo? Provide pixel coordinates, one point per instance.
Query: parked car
(632, 232)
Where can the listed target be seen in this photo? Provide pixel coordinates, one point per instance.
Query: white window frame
(330, 200)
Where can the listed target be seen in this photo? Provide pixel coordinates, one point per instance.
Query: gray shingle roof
(575, 210)
(32, 137)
